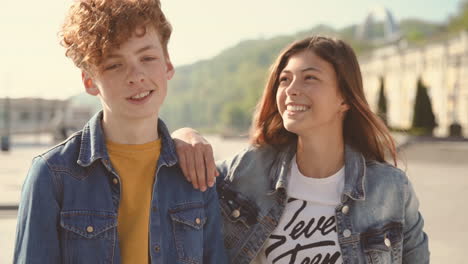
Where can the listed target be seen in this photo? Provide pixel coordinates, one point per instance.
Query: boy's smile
(132, 80)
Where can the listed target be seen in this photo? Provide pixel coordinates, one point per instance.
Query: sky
(33, 64)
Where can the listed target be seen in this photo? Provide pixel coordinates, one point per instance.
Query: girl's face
(308, 97)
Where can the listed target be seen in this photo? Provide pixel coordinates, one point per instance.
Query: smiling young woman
(315, 185)
(362, 129)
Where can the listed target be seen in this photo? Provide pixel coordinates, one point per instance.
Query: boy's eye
(112, 66)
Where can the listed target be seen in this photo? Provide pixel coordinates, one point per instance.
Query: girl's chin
(292, 127)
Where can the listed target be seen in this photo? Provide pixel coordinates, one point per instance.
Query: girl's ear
(344, 106)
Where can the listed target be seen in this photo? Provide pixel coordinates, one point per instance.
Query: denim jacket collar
(93, 144)
(282, 168)
(355, 171)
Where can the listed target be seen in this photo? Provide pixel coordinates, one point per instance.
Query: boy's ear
(89, 84)
(169, 68)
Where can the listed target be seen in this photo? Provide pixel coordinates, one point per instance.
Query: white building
(443, 67)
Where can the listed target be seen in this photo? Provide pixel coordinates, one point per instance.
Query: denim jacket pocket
(187, 221)
(383, 246)
(239, 215)
(236, 206)
(88, 236)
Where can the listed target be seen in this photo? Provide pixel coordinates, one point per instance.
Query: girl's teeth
(296, 108)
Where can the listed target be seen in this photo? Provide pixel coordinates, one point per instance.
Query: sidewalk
(14, 166)
(437, 168)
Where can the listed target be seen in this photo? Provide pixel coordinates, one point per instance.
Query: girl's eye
(148, 58)
(283, 79)
(310, 77)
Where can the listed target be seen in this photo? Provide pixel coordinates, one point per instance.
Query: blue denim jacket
(70, 200)
(377, 221)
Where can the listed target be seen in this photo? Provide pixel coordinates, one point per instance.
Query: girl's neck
(320, 156)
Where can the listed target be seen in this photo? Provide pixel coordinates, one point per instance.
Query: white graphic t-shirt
(306, 232)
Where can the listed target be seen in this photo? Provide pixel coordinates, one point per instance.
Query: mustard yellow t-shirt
(136, 165)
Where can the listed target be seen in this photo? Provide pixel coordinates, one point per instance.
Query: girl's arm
(195, 158)
(415, 241)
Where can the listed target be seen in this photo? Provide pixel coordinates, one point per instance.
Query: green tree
(234, 119)
(460, 21)
(382, 103)
(423, 117)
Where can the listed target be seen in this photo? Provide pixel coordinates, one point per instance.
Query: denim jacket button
(90, 229)
(235, 213)
(156, 248)
(115, 181)
(387, 242)
(345, 209)
(346, 233)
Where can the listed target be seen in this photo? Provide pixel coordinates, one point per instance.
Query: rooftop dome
(379, 27)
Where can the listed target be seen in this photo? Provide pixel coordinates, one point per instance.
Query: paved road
(13, 168)
(439, 173)
(438, 170)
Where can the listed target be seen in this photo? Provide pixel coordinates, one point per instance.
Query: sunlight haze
(33, 63)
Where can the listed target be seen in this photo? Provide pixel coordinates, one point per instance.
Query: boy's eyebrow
(145, 48)
(116, 56)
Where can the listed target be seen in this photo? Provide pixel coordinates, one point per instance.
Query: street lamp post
(455, 129)
(5, 139)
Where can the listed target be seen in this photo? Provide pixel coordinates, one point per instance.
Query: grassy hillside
(220, 94)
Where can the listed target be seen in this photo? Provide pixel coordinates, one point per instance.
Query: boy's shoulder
(64, 153)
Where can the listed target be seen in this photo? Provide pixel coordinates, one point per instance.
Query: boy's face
(132, 80)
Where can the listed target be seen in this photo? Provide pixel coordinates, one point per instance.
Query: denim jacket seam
(406, 198)
(89, 214)
(61, 144)
(68, 171)
(57, 183)
(185, 206)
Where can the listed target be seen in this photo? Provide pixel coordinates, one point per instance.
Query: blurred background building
(442, 64)
(219, 94)
(42, 116)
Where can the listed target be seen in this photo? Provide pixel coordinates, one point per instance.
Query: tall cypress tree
(382, 103)
(423, 118)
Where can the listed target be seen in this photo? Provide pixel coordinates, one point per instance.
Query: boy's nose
(136, 77)
(135, 81)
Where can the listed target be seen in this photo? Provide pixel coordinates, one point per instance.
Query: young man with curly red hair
(114, 192)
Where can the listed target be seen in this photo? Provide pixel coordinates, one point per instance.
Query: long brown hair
(362, 129)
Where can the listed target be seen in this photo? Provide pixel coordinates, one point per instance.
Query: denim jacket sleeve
(415, 244)
(214, 251)
(37, 238)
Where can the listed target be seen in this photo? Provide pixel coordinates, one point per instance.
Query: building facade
(443, 68)
(29, 115)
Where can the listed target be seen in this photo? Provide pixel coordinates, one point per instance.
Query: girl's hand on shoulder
(195, 158)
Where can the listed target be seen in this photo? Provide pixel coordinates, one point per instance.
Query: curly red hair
(92, 28)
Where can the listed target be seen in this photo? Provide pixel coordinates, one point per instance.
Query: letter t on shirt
(306, 232)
